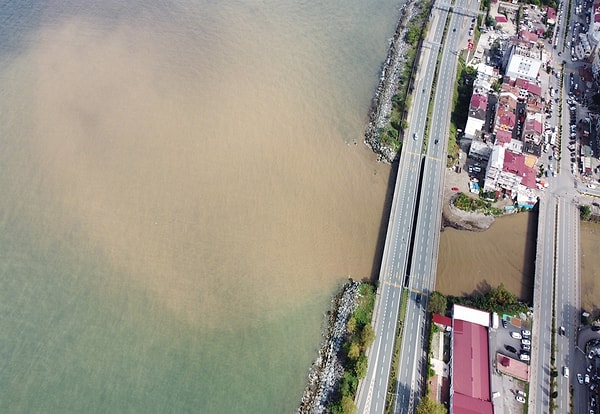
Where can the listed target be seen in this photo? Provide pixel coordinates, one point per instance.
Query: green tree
(499, 298)
(585, 211)
(428, 406)
(353, 351)
(360, 367)
(437, 303)
(348, 406)
(348, 384)
(367, 336)
(351, 325)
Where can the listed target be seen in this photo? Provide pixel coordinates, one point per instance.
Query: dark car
(504, 324)
(510, 349)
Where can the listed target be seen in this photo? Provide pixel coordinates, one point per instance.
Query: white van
(566, 372)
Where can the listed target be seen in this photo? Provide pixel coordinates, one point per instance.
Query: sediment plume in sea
(381, 107)
(327, 370)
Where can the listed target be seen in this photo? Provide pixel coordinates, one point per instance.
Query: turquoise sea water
(181, 195)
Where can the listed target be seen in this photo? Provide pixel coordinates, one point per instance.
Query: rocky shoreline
(327, 370)
(388, 87)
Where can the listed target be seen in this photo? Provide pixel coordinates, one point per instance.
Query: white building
(523, 62)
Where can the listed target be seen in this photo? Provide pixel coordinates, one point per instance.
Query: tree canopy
(428, 406)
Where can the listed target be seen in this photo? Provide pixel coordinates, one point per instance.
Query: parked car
(510, 348)
(524, 357)
(587, 378)
(520, 399)
(525, 342)
(526, 333)
(579, 378)
(526, 347)
(504, 324)
(516, 335)
(522, 393)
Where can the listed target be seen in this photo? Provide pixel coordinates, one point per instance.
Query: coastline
(327, 370)
(381, 107)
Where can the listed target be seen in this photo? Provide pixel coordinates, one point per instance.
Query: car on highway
(510, 349)
(579, 378)
(566, 372)
(516, 335)
(520, 399)
(415, 136)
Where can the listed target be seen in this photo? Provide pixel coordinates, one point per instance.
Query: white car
(526, 342)
(526, 333)
(516, 335)
(580, 378)
(415, 136)
(520, 399)
(587, 378)
(524, 357)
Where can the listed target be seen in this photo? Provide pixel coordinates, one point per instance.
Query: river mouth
(472, 262)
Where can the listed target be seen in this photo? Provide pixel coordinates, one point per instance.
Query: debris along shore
(388, 86)
(327, 370)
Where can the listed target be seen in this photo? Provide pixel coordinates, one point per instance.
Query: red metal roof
(470, 365)
(503, 137)
(501, 19)
(442, 320)
(515, 163)
(462, 404)
(479, 101)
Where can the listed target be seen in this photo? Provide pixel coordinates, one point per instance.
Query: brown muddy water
(471, 262)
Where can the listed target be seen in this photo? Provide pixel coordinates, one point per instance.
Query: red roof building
(503, 137)
(515, 164)
(530, 87)
(441, 320)
(501, 19)
(550, 15)
(528, 36)
(470, 369)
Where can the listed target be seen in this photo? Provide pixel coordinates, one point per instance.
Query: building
(510, 169)
(470, 369)
(523, 61)
(477, 115)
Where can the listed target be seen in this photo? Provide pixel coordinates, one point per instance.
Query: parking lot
(509, 392)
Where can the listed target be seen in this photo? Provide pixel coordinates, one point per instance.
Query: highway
(412, 368)
(557, 261)
(372, 392)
